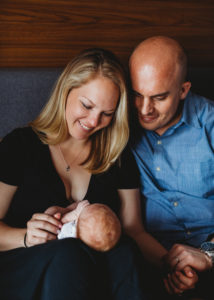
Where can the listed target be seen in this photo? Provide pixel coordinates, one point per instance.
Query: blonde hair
(107, 143)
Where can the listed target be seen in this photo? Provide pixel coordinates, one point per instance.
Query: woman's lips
(84, 126)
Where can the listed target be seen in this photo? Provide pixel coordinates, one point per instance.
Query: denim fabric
(177, 175)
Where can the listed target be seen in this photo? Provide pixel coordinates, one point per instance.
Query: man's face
(157, 95)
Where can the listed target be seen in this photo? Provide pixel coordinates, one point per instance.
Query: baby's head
(98, 227)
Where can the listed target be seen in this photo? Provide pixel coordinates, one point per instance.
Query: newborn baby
(95, 224)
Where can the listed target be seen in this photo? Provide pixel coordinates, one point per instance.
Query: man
(174, 149)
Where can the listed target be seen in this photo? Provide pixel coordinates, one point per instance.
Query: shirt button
(159, 142)
(158, 168)
(175, 203)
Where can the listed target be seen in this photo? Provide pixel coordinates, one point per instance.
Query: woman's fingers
(43, 225)
(183, 281)
(42, 228)
(167, 286)
(45, 218)
(177, 289)
(38, 236)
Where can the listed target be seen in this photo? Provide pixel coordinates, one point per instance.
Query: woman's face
(91, 107)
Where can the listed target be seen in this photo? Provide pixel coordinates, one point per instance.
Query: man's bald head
(158, 69)
(161, 52)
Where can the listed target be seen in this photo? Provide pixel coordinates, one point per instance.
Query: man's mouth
(147, 119)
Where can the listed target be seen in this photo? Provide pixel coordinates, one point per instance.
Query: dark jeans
(69, 270)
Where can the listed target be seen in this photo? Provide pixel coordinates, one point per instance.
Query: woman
(71, 152)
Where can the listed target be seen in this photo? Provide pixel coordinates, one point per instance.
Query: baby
(95, 224)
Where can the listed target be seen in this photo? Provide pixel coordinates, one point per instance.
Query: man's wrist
(208, 249)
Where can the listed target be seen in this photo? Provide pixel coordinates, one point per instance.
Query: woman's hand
(42, 228)
(179, 281)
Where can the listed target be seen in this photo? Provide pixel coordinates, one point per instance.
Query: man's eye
(134, 94)
(161, 98)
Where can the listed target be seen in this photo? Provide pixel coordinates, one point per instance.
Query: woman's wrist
(25, 240)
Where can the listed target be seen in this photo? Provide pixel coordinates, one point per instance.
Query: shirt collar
(189, 114)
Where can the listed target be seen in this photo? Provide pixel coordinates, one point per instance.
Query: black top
(26, 162)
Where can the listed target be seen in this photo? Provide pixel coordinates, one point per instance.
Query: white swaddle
(70, 229)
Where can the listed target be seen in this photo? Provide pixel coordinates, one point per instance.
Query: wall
(44, 33)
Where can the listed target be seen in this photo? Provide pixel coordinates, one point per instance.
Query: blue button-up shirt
(177, 176)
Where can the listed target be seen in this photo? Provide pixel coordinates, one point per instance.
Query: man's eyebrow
(161, 94)
(135, 93)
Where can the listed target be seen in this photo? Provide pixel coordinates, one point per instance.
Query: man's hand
(181, 256)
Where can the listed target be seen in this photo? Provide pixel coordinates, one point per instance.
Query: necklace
(68, 165)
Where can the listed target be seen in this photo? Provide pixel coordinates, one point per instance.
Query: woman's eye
(108, 114)
(86, 106)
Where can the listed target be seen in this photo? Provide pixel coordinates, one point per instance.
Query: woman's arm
(151, 249)
(9, 237)
(130, 215)
(40, 228)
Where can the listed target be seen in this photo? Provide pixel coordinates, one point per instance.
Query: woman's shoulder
(127, 155)
(20, 135)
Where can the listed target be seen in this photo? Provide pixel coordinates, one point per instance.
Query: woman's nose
(94, 119)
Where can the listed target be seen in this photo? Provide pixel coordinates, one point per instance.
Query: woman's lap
(26, 273)
(57, 269)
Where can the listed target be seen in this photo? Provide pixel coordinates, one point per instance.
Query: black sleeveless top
(26, 162)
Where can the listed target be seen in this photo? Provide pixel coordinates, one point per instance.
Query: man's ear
(185, 89)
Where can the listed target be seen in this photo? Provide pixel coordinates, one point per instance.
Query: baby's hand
(53, 210)
(74, 214)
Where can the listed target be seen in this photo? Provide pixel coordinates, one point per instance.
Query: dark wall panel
(48, 33)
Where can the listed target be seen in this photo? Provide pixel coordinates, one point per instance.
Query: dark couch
(23, 92)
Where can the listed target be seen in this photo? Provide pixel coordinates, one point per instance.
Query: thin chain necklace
(68, 165)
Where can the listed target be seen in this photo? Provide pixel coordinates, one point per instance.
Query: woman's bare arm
(131, 221)
(40, 228)
(9, 237)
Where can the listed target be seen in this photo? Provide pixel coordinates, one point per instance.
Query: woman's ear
(185, 89)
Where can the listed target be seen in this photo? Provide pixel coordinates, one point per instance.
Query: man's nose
(146, 107)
